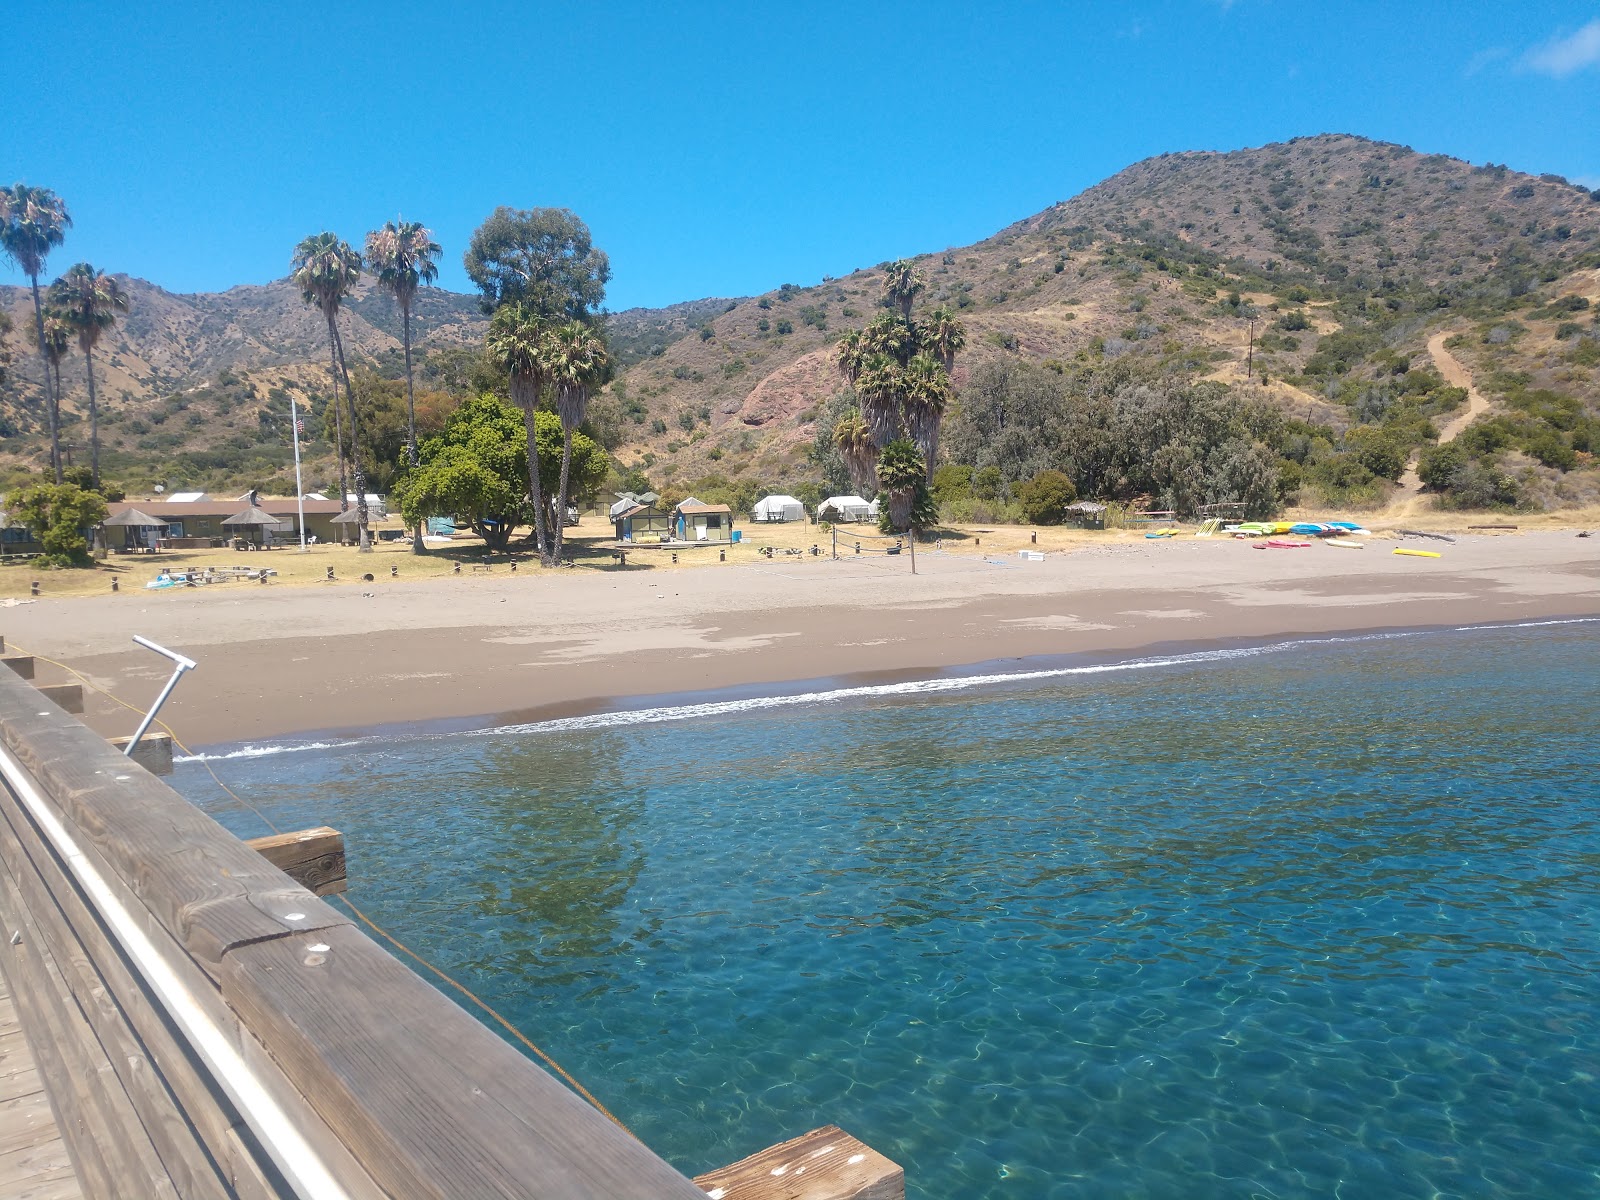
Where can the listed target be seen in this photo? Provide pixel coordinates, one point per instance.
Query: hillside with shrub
(1250, 325)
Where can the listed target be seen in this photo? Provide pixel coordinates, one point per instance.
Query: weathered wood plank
(201, 883)
(153, 753)
(825, 1164)
(68, 696)
(88, 1099)
(313, 858)
(226, 1140)
(432, 1102)
(22, 664)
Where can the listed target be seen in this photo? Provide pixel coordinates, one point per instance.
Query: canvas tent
(779, 508)
(844, 508)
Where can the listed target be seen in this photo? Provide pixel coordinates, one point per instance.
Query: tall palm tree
(402, 256)
(326, 269)
(852, 354)
(516, 341)
(925, 396)
(891, 335)
(89, 302)
(858, 450)
(943, 336)
(902, 280)
(900, 470)
(57, 345)
(35, 223)
(575, 358)
(879, 386)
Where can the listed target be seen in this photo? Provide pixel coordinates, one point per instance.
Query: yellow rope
(373, 925)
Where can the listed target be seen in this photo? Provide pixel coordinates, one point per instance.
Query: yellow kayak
(1417, 553)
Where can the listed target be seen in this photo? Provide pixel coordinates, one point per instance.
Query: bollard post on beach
(1034, 537)
(456, 570)
(33, 588)
(114, 583)
(329, 576)
(722, 556)
(394, 572)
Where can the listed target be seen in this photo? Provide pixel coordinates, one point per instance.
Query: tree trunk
(94, 419)
(338, 419)
(364, 536)
(526, 399)
(50, 394)
(411, 414)
(561, 500)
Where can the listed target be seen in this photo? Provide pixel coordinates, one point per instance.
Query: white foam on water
(920, 687)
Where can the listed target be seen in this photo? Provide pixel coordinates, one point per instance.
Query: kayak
(1277, 545)
(1164, 533)
(1417, 553)
(1344, 543)
(1311, 528)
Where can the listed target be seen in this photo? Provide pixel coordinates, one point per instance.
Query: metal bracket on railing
(183, 664)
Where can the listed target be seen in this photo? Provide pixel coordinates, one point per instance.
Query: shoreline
(616, 711)
(469, 652)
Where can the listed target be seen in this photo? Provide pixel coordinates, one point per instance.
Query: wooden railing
(208, 1028)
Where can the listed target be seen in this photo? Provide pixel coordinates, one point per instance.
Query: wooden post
(22, 664)
(153, 753)
(825, 1164)
(68, 695)
(313, 858)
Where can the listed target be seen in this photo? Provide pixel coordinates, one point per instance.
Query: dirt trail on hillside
(1408, 498)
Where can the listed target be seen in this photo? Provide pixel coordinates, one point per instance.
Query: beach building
(698, 522)
(778, 508)
(1087, 514)
(198, 522)
(846, 508)
(638, 522)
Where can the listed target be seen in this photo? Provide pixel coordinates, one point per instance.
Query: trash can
(737, 533)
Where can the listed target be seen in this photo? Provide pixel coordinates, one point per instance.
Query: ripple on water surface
(1313, 922)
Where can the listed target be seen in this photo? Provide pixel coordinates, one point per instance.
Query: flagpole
(299, 490)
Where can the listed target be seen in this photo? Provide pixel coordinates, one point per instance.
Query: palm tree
(575, 358)
(902, 280)
(891, 335)
(35, 223)
(516, 341)
(402, 256)
(858, 450)
(57, 345)
(879, 386)
(852, 353)
(900, 470)
(944, 336)
(326, 269)
(925, 396)
(89, 302)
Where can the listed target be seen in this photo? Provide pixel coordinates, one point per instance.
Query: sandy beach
(499, 648)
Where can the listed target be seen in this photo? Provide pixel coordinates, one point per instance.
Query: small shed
(640, 523)
(133, 524)
(845, 508)
(778, 508)
(1087, 514)
(699, 522)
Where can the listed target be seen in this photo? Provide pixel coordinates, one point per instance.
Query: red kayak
(1276, 545)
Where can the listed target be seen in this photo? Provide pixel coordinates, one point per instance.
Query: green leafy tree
(326, 270)
(33, 222)
(476, 471)
(575, 358)
(89, 301)
(516, 341)
(1045, 497)
(59, 516)
(403, 256)
(542, 258)
(383, 426)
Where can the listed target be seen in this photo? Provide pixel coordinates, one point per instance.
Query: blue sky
(722, 149)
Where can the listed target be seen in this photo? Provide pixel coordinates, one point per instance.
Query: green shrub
(1045, 497)
(987, 483)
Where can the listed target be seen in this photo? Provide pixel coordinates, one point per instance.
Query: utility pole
(299, 490)
(1250, 358)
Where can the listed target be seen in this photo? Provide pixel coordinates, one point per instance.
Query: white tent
(844, 508)
(779, 508)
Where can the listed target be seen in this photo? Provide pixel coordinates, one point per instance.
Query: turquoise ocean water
(1320, 919)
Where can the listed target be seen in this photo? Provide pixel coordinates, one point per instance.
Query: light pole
(299, 491)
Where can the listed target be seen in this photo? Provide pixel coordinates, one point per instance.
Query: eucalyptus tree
(89, 301)
(326, 270)
(902, 280)
(859, 451)
(403, 256)
(517, 342)
(576, 361)
(542, 258)
(33, 222)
